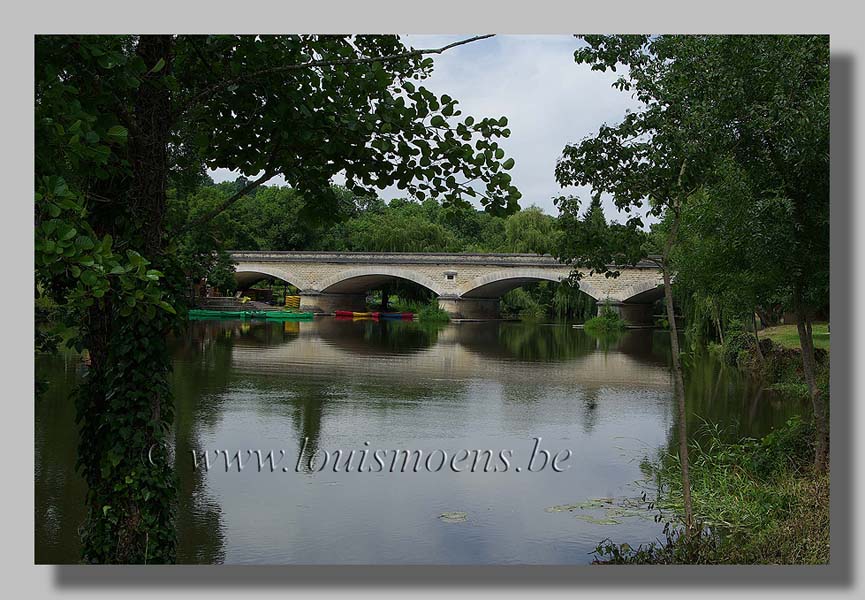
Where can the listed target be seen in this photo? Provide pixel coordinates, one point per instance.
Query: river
(447, 391)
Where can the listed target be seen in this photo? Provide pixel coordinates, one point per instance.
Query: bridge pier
(633, 313)
(470, 308)
(318, 302)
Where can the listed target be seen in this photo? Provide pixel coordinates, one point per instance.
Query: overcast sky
(548, 99)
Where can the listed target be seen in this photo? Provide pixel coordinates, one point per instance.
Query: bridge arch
(361, 279)
(248, 273)
(498, 283)
(643, 292)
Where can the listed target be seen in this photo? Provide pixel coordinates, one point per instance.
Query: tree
(122, 119)
(761, 101)
(401, 229)
(530, 230)
(771, 93)
(655, 158)
(588, 240)
(731, 241)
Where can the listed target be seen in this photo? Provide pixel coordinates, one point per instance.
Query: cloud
(549, 101)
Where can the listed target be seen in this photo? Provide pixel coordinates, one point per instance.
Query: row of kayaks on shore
(270, 315)
(350, 314)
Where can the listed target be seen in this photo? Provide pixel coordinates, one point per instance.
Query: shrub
(520, 303)
(757, 501)
(608, 321)
(430, 312)
(533, 312)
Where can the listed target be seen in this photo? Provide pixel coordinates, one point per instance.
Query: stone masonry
(467, 285)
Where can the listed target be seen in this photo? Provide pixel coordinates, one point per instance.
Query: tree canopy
(124, 122)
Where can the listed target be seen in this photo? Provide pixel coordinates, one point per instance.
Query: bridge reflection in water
(337, 384)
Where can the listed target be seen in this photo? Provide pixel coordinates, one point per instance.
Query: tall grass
(758, 502)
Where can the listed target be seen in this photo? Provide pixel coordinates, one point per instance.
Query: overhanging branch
(227, 202)
(327, 63)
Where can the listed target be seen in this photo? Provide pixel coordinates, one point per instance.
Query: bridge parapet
(409, 258)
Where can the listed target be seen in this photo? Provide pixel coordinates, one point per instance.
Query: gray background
(843, 20)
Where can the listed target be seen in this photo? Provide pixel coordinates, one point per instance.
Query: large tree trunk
(809, 367)
(678, 379)
(717, 317)
(756, 336)
(124, 405)
(679, 388)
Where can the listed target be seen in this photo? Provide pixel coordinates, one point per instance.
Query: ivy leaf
(118, 134)
(160, 64)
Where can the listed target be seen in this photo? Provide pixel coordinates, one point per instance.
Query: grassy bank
(788, 336)
(758, 502)
(777, 365)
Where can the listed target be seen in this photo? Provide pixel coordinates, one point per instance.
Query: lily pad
(454, 517)
(589, 504)
(626, 512)
(563, 508)
(594, 521)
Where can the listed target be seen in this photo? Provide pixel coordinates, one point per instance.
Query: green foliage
(534, 312)
(372, 120)
(758, 500)
(779, 368)
(607, 322)
(399, 230)
(733, 253)
(738, 345)
(131, 499)
(733, 482)
(569, 302)
(77, 267)
(788, 336)
(588, 242)
(125, 127)
(545, 299)
(530, 230)
(278, 218)
(676, 549)
(427, 312)
(751, 200)
(522, 303)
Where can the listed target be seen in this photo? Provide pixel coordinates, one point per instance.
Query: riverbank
(758, 501)
(788, 335)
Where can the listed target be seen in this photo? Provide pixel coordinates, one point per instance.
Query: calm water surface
(325, 385)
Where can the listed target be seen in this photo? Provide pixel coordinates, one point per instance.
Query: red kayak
(375, 315)
(350, 313)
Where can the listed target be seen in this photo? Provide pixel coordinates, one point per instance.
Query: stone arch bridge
(468, 286)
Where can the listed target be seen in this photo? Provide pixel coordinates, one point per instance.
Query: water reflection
(325, 385)
(59, 491)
